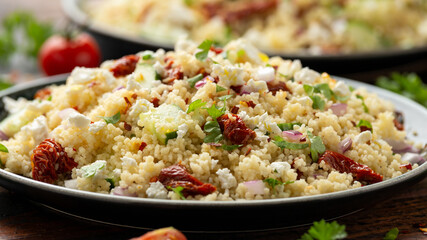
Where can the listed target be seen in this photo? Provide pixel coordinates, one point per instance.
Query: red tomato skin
(61, 55)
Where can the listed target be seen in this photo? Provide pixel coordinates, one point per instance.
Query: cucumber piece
(13, 123)
(162, 120)
(363, 36)
(146, 75)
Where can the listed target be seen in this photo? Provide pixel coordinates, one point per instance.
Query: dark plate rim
(415, 175)
(74, 12)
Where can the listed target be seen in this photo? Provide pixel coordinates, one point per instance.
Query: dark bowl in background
(364, 67)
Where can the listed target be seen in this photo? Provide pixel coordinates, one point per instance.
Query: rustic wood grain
(21, 219)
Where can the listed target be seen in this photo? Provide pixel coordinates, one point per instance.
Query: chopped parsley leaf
(195, 105)
(3, 148)
(318, 102)
(113, 119)
(214, 112)
(147, 56)
(316, 147)
(325, 231)
(274, 182)
(230, 147)
(220, 89)
(287, 126)
(177, 190)
(204, 46)
(171, 135)
(213, 131)
(192, 81)
(364, 123)
(281, 143)
(365, 108)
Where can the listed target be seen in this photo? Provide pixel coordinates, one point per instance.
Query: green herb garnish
(274, 182)
(318, 102)
(287, 126)
(220, 89)
(177, 190)
(192, 81)
(4, 84)
(35, 33)
(365, 108)
(111, 181)
(316, 146)
(3, 148)
(214, 112)
(281, 143)
(364, 123)
(392, 234)
(325, 231)
(195, 105)
(170, 135)
(213, 131)
(325, 90)
(92, 169)
(204, 47)
(113, 119)
(409, 85)
(230, 147)
(147, 56)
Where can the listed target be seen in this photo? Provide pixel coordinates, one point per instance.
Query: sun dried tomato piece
(124, 65)
(343, 164)
(237, 88)
(155, 101)
(250, 104)
(127, 126)
(142, 146)
(216, 50)
(235, 130)
(279, 86)
(43, 93)
(234, 109)
(177, 175)
(48, 160)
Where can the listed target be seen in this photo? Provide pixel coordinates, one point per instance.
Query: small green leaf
(281, 143)
(192, 81)
(225, 97)
(365, 108)
(316, 147)
(204, 47)
(111, 181)
(113, 119)
(195, 105)
(3, 148)
(241, 53)
(49, 98)
(274, 182)
(214, 112)
(230, 147)
(177, 190)
(92, 169)
(318, 102)
(147, 56)
(170, 135)
(287, 126)
(309, 89)
(220, 89)
(214, 132)
(392, 234)
(325, 231)
(364, 123)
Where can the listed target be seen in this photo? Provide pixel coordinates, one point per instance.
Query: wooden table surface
(22, 219)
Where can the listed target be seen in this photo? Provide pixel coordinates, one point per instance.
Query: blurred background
(26, 26)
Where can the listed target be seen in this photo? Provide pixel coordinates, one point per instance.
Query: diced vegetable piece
(13, 123)
(145, 75)
(162, 121)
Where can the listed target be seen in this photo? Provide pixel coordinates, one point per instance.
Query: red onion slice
(292, 135)
(255, 187)
(119, 191)
(401, 146)
(345, 144)
(3, 136)
(413, 158)
(339, 109)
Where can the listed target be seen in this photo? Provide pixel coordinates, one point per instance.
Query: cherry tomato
(59, 54)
